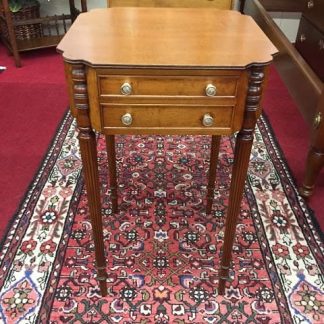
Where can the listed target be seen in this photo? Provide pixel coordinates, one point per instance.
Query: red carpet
(292, 135)
(34, 99)
(33, 102)
(163, 251)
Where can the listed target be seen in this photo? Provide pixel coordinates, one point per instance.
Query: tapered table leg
(110, 144)
(314, 164)
(241, 162)
(88, 148)
(315, 157)
(215, 143)
(242, 153)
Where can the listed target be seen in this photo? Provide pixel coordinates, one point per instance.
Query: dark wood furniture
(284, 5)
(303, 83)
(310, 38)
(50, 29)
(123, 83)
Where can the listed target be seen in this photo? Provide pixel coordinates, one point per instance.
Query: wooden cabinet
(310, 44)
(285, 6)
(300, 72)
(310, 38)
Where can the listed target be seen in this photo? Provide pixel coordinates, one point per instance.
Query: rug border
(32, 181)
(311, 212)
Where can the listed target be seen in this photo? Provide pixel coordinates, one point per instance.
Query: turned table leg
(315, 157)
(242, 153)
(88, 148)
(314, 164)
(111, 155)
(215, 143)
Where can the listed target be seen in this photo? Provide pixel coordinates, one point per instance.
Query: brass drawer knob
(302, 38)
(310, 4)
(317, 120)
(210, 90)
(126, 89)
(127, 119)
(208, 120)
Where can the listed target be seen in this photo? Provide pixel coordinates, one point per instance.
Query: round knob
(127, 119)
(210, 90)
(302, 37)
(317, 120)
(126, 89)
(310, 4)
(208, 120)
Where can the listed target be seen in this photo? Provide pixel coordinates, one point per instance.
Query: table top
(166, 37)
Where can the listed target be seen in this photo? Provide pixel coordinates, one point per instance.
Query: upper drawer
(315, 13)
(195, 86)
(310, 44)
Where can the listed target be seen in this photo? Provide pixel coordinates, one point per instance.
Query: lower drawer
(120, 119)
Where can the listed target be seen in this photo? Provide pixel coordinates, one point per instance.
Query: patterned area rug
(162, 250)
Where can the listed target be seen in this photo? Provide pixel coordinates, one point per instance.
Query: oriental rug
(162, 249)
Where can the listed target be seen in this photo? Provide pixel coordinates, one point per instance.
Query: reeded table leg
(242, 153)
(88, 148)
(315, 157)
(241, 163)
(110, 144)
(90, 169)
(215, 143)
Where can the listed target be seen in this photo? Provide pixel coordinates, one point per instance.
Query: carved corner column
(88, 148)
(242, 153)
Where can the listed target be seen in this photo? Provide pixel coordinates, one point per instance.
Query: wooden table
(165, 71)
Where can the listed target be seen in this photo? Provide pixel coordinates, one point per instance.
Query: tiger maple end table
(165, 71)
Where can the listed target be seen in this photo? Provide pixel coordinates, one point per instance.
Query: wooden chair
(44, 31)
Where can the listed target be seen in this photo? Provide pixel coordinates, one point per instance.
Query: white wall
(52, 7)
(288, 22)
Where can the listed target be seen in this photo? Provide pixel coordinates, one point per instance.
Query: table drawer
(198, 86)
(146, 119)
(310, 44)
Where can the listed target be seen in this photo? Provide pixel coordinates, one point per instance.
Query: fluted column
(242, 153)
(88, 149)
